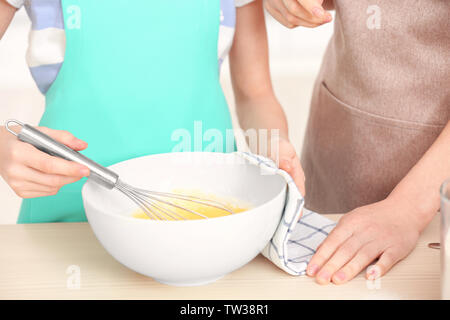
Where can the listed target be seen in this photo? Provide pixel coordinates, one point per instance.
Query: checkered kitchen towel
(295, 240)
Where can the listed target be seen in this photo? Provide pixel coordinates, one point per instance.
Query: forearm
(6, 14)
(419, 189)
(256, 104)
(263, 112)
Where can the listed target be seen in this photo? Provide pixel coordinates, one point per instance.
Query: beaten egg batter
(208, 211)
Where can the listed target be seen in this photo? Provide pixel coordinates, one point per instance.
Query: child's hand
(294, 13)
(289, 162)
(32, 173)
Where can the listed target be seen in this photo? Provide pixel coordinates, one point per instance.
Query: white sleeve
(16, 3)
(241, 3)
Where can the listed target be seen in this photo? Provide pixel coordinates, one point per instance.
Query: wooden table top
(36, 262)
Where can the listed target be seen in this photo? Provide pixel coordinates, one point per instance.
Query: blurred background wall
(295, 57)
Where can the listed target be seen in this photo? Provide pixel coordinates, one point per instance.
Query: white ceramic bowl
(190, 252)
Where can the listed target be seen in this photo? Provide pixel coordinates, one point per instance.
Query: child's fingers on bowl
(286, 165)
(298, 176)
(293, 167)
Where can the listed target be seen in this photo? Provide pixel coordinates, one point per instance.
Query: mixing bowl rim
(162, 155)
(231, 216)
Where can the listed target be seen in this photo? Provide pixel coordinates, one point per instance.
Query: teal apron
(137, 77)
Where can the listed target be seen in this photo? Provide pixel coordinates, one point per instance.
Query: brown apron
(381, 99)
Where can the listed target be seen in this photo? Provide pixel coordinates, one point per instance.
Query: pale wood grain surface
(34, 260)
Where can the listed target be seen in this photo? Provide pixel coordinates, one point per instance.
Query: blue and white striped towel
(295, 240)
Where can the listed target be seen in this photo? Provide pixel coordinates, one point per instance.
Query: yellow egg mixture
(208, 211)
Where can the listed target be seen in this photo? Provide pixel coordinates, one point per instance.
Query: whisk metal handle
(43, 142)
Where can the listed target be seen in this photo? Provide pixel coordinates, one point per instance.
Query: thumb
(386, 261)
(293, 167)
(315, 8)
(285, 164)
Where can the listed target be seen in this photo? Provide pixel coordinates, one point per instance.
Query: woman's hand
(387, 230)
(32, 173)
(289, 162)
(294, 13)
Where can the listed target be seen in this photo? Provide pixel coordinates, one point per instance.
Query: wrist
(280, 135)
(418, 208)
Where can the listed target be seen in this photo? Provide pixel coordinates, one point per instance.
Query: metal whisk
(156, 205)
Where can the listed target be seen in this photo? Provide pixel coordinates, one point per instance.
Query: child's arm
(256, 104)
(6, 14)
